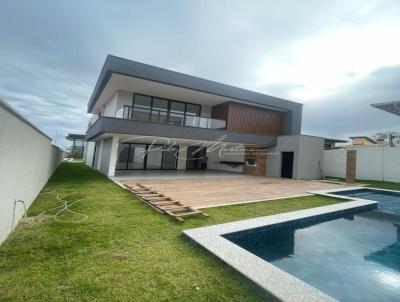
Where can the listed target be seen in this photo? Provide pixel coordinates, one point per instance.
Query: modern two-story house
(150, 118)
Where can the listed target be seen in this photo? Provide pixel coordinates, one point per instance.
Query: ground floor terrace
(202, 189)
(122, 249)
(292, 157)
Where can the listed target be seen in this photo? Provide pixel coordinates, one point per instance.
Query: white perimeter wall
(27, 160)
(373, 163)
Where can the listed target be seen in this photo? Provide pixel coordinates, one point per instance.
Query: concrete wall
(120, 98)
(373, 163)
(335, 163)
(27, 160)
(307, 159)
(88, 153)
(311, 157)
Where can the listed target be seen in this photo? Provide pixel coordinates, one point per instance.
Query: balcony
(172, 118)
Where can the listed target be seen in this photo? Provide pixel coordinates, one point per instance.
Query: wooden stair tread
(163, 203)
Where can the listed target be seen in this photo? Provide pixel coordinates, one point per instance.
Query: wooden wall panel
(244, 118)
(351, 163)
(259, 153)
(249, 119)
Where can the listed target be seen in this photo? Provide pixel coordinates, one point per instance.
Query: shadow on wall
(27, 160)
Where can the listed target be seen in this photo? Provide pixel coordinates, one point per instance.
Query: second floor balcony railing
(164, 117)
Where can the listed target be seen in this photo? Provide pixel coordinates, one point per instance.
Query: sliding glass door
(154, 158)
(137, 156)
(146, 157)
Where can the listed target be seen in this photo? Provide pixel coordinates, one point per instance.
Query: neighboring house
(330, 143)
(78, 143)
(136, 105)
(362, 141)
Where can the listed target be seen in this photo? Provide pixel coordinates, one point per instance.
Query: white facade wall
(88, 153)
(311, 157)
(181, 165)
(308, 154)
(373, 163)
(120, 98)
(27, 160)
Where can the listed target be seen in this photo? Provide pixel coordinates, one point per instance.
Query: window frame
(168, 108)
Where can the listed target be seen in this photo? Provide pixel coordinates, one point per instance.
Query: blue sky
(336, 57)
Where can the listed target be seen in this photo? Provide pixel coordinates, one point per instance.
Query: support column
(113, 156)
(255, 160)
(351, 163)
(99, 155)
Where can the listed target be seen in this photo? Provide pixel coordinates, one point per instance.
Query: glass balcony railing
(174, 118)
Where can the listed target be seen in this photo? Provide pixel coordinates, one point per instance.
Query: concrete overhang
(115, 126)
(392, 107)
(123, 74)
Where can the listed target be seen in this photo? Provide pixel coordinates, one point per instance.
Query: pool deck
(211, 189)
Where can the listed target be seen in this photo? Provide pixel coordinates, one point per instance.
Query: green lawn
(124, 251)
(374, 184)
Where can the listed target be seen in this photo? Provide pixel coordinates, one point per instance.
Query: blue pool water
(388, 201)
(352, 257)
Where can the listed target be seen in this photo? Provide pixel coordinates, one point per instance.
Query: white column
(113, 156)
(99, 158)
(182, 157)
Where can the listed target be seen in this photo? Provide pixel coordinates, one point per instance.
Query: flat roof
(117, 65)
(74, 136)
(334, 140)
(392, 107)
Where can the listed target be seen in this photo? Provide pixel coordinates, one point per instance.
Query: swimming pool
(388, 201)
(348, 251)
(353, 257)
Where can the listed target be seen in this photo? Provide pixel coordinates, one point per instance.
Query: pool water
(352, 257)
(388, 201)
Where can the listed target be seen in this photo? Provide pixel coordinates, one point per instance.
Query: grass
(124, 251)
(374, 184)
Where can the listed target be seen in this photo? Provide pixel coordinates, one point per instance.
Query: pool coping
(274, 282)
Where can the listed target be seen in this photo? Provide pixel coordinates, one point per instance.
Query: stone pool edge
(275, 282)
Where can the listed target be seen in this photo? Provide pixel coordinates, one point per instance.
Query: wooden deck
(207, 192)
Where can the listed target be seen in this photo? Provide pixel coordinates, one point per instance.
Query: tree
(388, 138)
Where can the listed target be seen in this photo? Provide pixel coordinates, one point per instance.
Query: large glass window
(170, 158)
(137, 155)
(123, 152)
(142, 156)
(159, 111)
(192, 115)
(177, 113)
(141, 107)
(154, 157)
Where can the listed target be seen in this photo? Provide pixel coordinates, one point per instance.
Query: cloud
(337, 57)
(315, 51)
(348, 112)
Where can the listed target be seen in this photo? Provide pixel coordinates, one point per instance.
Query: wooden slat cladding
(249, 119)
(259, 153)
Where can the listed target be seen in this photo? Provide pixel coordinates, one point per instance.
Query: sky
(335, 57)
